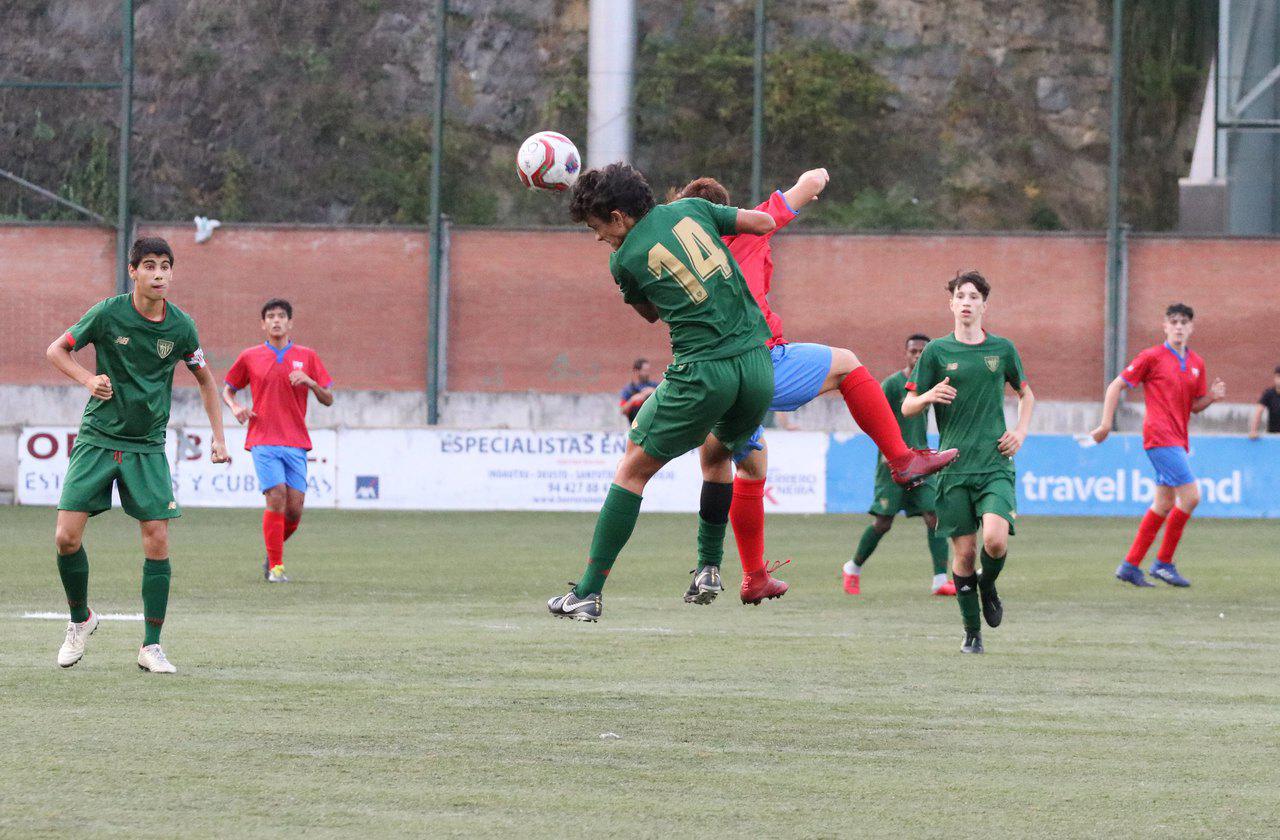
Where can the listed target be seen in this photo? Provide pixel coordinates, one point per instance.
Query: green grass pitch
(410, 683)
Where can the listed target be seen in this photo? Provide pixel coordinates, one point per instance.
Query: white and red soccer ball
(548, 161)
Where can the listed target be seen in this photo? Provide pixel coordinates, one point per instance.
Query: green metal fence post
(757, 110)
(1116, 319)
(434, 362)
(126, 128)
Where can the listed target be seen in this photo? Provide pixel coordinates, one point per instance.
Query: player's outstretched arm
(1010, 442)
(59, 355)
(942, 393)
(755, 222)
(806, 188)
(213, 409)
(1110, 400)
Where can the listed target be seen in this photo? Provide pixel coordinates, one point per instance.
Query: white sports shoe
(151, 658)
(72, 649)
(276, 575)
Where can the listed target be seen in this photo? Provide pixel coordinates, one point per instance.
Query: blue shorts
(798, 373)
(280, 465)
(1172, 467)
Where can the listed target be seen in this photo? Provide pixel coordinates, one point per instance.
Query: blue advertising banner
(1059, 475)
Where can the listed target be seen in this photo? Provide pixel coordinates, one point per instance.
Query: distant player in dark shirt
(637, 390)
(1269, 401)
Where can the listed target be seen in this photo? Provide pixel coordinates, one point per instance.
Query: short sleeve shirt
(1271, 399)
(755, 257)
(1170, 386)
(139, 356)
(974, 421)
(674, 258)
(280, 408)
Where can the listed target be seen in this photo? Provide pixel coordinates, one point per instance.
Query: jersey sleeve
(86, 330)
(779, 209)
(238, 375)
(925, 374)
(192, 354)
(631, 292)
(725, 219)
(1138, 370)
(319, 373)
(1013, 372)
(1262, 400)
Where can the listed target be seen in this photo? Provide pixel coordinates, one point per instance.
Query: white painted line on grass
(61, 616)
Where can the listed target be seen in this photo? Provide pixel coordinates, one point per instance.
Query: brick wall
(537, 310)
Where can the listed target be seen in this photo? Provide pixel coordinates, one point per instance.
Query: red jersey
(1170, 385)
(755, 257)
(280, 409)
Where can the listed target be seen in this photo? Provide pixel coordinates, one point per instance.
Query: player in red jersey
(1174, 387)
(801, 373)
(280, 374)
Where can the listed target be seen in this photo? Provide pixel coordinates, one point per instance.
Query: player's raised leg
(871, 411)
(73, 568)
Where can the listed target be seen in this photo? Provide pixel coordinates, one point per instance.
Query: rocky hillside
(930, 113)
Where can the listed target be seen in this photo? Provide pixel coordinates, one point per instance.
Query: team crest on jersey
(1195, 371)
(993, 362)
(953, 366)
(164, 348)
(297, 365)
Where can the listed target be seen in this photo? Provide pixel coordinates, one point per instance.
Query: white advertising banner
(503, 469)
(44, 452)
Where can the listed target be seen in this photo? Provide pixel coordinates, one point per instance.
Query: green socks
(937, 551)
(967, 598)
(710, 542)
(713, 520)
(617, 520)
(155, 597)
(74, 571)
(866, 545)
(991, 569)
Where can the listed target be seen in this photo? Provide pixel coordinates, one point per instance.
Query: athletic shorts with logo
(146, 487)
(725, 397)
(964, 498)
(891, 497)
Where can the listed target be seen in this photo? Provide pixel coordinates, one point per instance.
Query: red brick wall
(537, 310)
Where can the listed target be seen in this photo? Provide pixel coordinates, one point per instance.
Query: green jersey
(139, 356)
(674, 259)
(974, 421)
(915, 430)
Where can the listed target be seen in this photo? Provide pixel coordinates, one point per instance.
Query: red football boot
(918, 464)
(763, 586)
(947, 588)
(852, 583)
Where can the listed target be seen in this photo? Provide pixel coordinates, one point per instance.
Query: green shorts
(146, 489)
(892, 497)
(724, 397)
(963, 499)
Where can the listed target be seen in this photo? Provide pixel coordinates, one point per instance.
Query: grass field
(410, 683)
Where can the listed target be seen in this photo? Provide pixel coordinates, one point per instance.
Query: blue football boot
(1130, 573)
(1168, 573)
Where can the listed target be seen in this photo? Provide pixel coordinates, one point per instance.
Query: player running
(138, 339)
(280, 375)
(802, 372)
(963, 376)
(890, 497)
(1173, 386)
(670, 264)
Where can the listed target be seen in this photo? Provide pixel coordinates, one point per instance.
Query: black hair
(619, 186)
(916, 337)
(1180, 309)
(639, 363)
(971, 276)
(277, 303)
(149, 245)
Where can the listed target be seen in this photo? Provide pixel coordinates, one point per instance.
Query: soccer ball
(548, 161)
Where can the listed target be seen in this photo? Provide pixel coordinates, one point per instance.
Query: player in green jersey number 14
(963, 375)
(670, 264)
(138, 339)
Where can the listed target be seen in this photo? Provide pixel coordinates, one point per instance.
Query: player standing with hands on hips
(138, 338)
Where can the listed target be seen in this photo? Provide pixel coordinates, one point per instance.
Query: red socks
(746, 513)
(870, 410)
(273, 536)
(1151, 522)
(290, 525)
(1172, 533)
